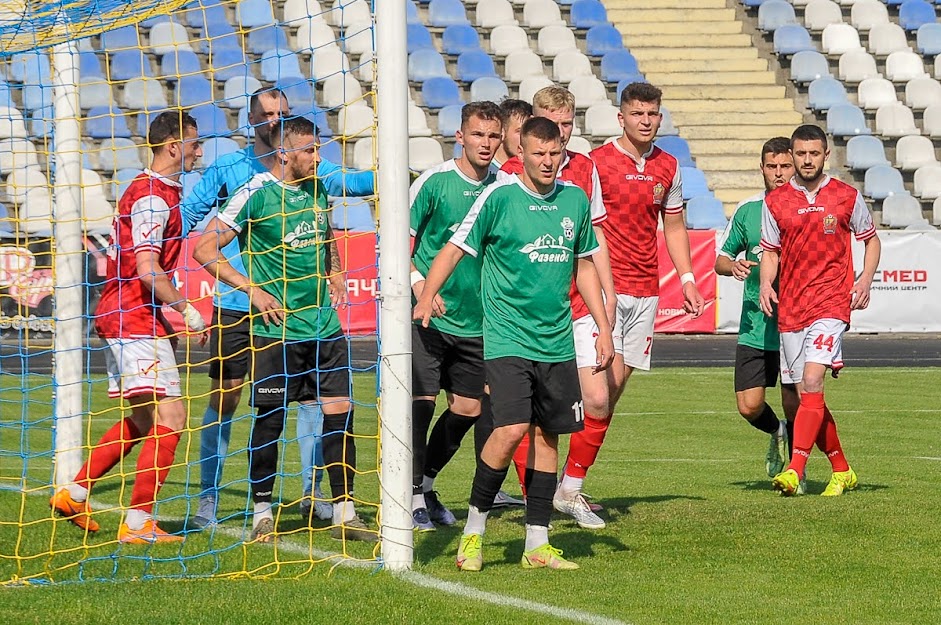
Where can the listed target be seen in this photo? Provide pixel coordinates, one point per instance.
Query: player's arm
(202, 199)
(352, 182)
(677, 241)
(421, 205)
(589, 287)
(441, 269)
(336, 276)
(602, 259)
(862, 226)
(733, 243)
(770, 258)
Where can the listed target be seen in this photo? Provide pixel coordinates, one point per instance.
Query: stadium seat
(217, 146)
(839, 38)
(599, 40)
(904, 66)
(588, 90)
(210, 120)
(460, 38)
(200, 14)
(936, 212)
(300, 95)
(530, 85)
(931, 121)
(473, 65)
(449, 120)
(329, 61)
(494, 13)
(127, 64)
(41, 124)
(417, 122)
(773, 14)
(123, 38)
(791, 39)
(928, 39)
(856, 66)
(279, 63)
(808, 65)
(865, 14)
(694, 183)
(440, 92)
(218, 35)
(24, 179)
(541, 13)
(921, 93)
(226, 63)
(901, 210)
(89, 67)
(553, 39)
(340, 89)
(417, 36)
(424, 64)
(168, 37)
(865, 151)
(236, 91)
(411, 13)
(121, 180)
(97, 211)
(296, 11)
(571, 63)
(618, 65)
(34, 214)
(365, 68)
(17, 154)
(194, 90)
(424, 153)
(179, 63)
(818, 14)
(489, 88)
(581, 145)
(6, 222)
(508, 38)
(353, 214)
(913, 14)
(914, 151)
(37, 96)
(319, 117)
(356, 120)
(705, 212)
(601, 120)
(677, 147)
(926, 182)
(895, 120)
(443, 13)
(106, 123)
(667, 129)
(588, 14)
(254, 13)
(145, 94)
(348, 12)
(846, 120)
(624, 82)
(267, 38)
(522, 64)
(315, 34)
(875, 92)
(881, 181)
(884, 39)
(30, 68)
(189, 180)
(825, 92)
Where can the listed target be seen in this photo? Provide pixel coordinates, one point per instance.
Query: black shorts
(230, 344)
(756, 368)
(544, 393)
(445, 361)
(286, 371)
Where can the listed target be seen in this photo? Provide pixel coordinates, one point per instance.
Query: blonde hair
(554, 98)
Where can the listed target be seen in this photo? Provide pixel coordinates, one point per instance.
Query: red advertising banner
(671, 318)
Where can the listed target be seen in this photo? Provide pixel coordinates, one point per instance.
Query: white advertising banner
(906, 291)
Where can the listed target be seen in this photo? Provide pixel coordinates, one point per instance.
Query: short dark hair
(775, 146)
(169, 126)
(809, 132)
(510, 108)
(641, 92)
(292, 126)
(484, 109)
(541, 128)
(268, 92)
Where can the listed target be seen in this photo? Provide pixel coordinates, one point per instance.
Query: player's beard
(817, 173)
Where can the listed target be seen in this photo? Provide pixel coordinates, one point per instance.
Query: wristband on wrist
(416, 277)
(687, 277)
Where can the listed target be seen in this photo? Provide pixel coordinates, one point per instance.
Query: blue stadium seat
(599, 40)
(227, 63)
(928, 39)
(353, 214)
(217, 35)
(143, 122)
(267, 38)
(882, 181)
(128, 64)
(791, 39)
(705, 212)
(6, 221)
(331, 151)
(846, 120)
(418, 37)
(319, 118)
(753, 3)
(678, 147)
(449, 120)
(122, 179)
(489, 88)
(104, 123)
(36, 97)
(197, 17)
(913, 14)
(189, 180)
(809, 65)
(618, 65)
(254, 13)
(473, 65)
(216, 147)
(865, 151)
(180, 63)
(89, 66)
(773, 14)
(41, 123)
(446, 13)
(411, 13)
(194, 90)
(279, 63)
(424, 64)
(124, 38)
(588, 13)
(439, 92)
(825, 93)
(694, 183)
(300, 94)
(211, 120)
(30, 68)
(460, 38)
(624, 82)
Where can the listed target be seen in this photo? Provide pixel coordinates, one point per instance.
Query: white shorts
(141, 367)
(632, 333)
(821, 342)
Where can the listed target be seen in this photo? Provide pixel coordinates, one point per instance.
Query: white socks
(78, 493)
(476, 521)
(262, 511)
(536, 536)
(136, 519)
(571, 485)
(343, 511)
(418, 501)
(427, 484)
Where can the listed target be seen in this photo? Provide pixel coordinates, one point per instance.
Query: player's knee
(595, 400)
(336, 405)
(465, 406)
(750, 408)
(171, 413)
(505, 439)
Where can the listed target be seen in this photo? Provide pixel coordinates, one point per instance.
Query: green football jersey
(284, 237)
(440, 200)
(743, 235)
(529, 244)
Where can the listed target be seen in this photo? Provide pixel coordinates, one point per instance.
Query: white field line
(838, 412)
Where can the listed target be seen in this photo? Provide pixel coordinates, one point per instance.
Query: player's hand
(693, 303)
(767, 299)
(742, 268)
(437, 305)
(336, 286)
(859, 294)
(611, 310)
(423, 312)
(604, 349)
(268, 305)
(195, 324)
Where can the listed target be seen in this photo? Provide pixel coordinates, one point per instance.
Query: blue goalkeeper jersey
(225, 176)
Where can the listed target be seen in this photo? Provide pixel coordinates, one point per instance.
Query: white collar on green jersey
(452, 165)
(523, 186)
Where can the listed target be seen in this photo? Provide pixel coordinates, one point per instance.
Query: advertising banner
(671, 317)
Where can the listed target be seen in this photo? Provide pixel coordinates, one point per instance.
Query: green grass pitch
(694, 534)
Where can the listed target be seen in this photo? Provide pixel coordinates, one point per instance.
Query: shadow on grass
(814, 487)
(615, 507)
(575, 544)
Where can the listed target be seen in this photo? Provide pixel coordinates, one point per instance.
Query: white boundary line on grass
(655, 413)
(416, 579)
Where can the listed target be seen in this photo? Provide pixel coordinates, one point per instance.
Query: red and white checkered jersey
(635, 192)
(149, 220)
(812, 233)
(580, 171)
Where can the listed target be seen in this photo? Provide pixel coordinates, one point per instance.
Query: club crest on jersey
(658, 192)
(568, 228)
(547, 249)
(829, 224)
(304, 234)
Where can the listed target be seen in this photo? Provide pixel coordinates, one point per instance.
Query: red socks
(584, 446)
(153, 466)
(829, 443)
(807, 427)
(114, 445)
(520, 458)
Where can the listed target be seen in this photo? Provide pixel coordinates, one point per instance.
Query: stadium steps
(725, 98)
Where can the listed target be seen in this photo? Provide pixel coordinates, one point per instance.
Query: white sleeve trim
(229, 213)
(674, 201)
(590, 252)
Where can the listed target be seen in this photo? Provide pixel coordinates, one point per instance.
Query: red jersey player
(146, 240)
(640, 183)
(805, 231)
